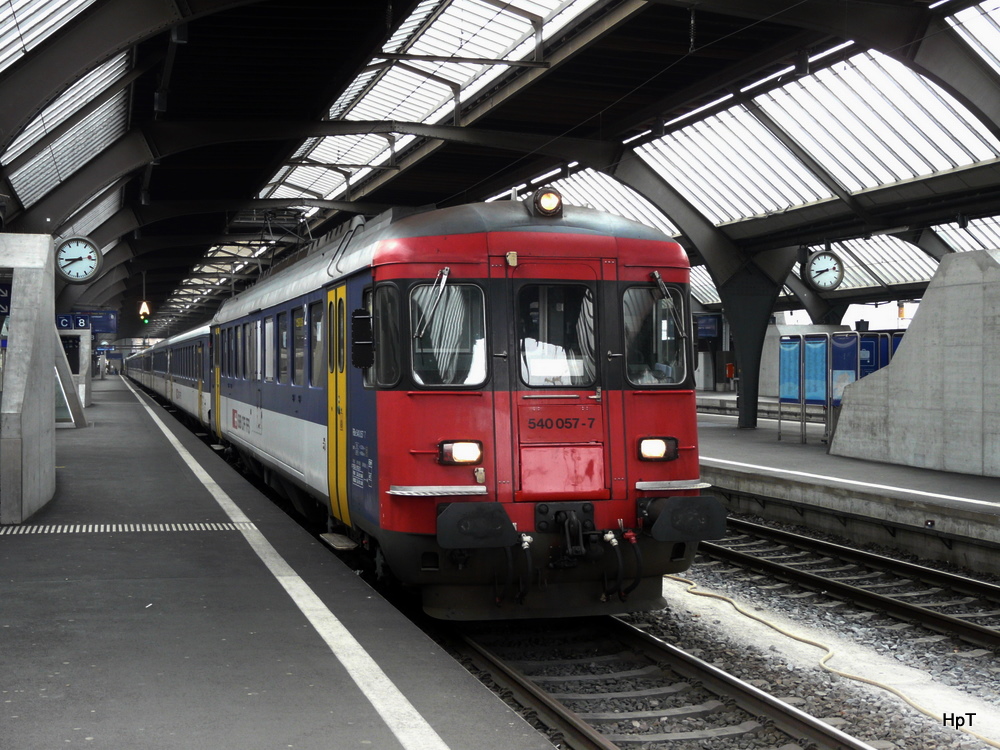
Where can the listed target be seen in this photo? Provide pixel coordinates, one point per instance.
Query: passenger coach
(495, 400)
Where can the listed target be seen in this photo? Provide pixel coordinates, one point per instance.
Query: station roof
(201, 142)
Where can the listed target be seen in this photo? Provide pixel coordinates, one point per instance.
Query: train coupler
(570, 520)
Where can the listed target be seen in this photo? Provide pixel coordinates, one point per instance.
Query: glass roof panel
(703, 288)
(598, 190)
(86, 223)
(75, 97)
(71, 151)
(417, 90)
(881, 260)
(978, 234)
(731, 167)
(24, 24)
(871, 121)
(980, 28)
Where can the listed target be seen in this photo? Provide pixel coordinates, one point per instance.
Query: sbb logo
(240, 422)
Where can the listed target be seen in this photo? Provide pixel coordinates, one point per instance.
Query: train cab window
(316, 375)
(266, 351)
(448, 334)
(654, 336)
(298, 346)
(556, 335)
(368, 373)
(282, 347)
(387, 344)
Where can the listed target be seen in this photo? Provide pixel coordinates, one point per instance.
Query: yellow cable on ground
(692, 589)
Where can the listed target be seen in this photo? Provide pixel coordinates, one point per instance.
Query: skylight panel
(703, 288)
(600, 191)
(420, 90)
(977, 234)
(85, 224)
(881, 260)
(78, 95)
(67, 154)
(871, 121)
(731, 167)
(979, 26)
(25, 24)
(410, 26)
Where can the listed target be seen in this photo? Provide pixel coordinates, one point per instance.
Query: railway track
(604, 684)
(954, 605)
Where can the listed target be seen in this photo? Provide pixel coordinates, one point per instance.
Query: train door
(336, 361)
(559, 364)
(217, 381)
(199, 378)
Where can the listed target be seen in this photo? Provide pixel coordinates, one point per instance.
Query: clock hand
(71, 260)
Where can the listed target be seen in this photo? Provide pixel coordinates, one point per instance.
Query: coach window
(448, 334)
(282, 347)
(247, 348)
(298, 345)
(239, 370)
(267, 350)
(387, 314)
(654, 336)
(253, 345)
(556, 339)
(317, 374)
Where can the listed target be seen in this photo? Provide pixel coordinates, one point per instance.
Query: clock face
(824, 270)
(78, 259)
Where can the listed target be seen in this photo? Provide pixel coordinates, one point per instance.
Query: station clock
(78, 260)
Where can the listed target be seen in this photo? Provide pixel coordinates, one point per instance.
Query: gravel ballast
(947, 677)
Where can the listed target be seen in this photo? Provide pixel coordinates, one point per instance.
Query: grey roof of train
(333, 259)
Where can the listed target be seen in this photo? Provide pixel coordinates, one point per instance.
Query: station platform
(160, 601)
(804, 477)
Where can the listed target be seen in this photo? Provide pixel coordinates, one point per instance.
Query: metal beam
(93, 37)
(944, 58)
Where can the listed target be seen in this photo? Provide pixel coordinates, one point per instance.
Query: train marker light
(459, 452)
(548, 202)
(658, 449)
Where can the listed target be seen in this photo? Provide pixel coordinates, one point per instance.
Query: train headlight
(460, 452)
(658, 449)
(548, 202)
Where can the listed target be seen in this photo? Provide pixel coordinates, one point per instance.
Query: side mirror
(362, 339)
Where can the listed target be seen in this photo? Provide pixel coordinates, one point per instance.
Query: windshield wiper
(674, 314)
(425, 317)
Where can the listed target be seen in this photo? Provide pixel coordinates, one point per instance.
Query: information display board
(844, 361)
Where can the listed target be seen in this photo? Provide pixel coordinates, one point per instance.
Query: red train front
(532, 450)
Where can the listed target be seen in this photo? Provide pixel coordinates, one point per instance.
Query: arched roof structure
(200, 141)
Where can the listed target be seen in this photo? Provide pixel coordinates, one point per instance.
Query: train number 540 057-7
(562, 423)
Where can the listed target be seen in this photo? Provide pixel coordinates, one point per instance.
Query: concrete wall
(27, 409)
(937, 404)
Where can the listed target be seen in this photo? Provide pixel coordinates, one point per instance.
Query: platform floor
(756, 462)
(159, 601)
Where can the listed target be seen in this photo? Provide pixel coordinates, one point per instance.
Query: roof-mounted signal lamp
(144, 312)
(547, 202)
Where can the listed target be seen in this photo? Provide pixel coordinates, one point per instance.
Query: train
(494, 402)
